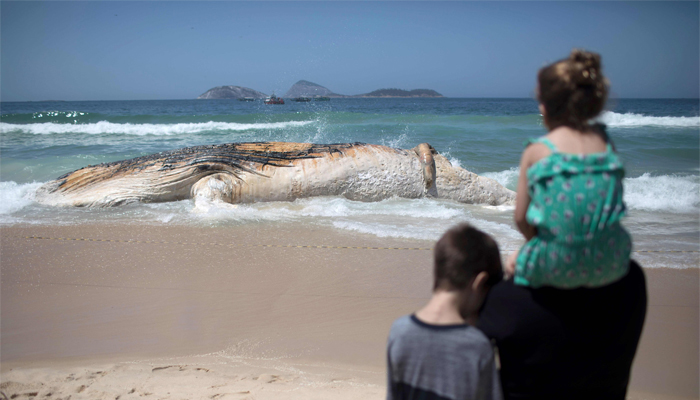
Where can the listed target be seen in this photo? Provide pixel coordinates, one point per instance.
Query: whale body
(274, 171)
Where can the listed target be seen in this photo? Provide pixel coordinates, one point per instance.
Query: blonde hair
(573, 90)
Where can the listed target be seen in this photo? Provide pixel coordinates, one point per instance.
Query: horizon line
(351, 97)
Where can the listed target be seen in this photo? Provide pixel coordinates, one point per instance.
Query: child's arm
(531, 155)
(522, 198)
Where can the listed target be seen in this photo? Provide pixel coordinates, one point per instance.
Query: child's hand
(509, 268)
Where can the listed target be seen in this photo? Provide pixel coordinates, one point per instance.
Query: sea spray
(507, 178)
(14, 197)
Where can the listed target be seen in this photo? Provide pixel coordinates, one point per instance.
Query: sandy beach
(253, 312)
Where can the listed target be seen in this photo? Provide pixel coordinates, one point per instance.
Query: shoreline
(244, 312)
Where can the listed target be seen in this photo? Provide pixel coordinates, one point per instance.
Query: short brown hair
(572, 90)
(461, 253)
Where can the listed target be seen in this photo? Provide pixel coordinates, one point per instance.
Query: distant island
(309, 89)
(231, 92)
(401, 93)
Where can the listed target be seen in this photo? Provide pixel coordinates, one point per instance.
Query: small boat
(302, 99)
(246, 99)
(322, 98)
(274, 100)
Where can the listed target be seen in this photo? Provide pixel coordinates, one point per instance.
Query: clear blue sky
(178, 50)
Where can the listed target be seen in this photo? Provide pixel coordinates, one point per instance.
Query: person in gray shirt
(437, 352)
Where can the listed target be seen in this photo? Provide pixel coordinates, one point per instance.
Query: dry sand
(199, 313)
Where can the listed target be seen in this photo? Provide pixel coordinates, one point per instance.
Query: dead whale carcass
(274, 171)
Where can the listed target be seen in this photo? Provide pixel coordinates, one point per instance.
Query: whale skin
(274, 171)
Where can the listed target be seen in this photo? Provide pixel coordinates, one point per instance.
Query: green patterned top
(576, 206)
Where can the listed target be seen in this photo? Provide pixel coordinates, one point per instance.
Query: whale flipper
(425, 155)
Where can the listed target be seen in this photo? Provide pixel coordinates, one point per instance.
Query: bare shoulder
(568, 140)
(534, 153)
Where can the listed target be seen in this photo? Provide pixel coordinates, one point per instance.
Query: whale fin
(425, 155)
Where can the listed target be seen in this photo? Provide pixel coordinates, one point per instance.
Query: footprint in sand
(97, 374)
(237, 395)
(16, 390)
(267, 378)
(20, 395)
(179, 367)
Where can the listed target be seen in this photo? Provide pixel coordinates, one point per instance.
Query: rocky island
(231, 92)
(401, 93)
(309, 89)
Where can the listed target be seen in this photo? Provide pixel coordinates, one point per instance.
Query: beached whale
(274, 171)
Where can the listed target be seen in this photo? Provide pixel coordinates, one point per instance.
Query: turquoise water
(658, 139)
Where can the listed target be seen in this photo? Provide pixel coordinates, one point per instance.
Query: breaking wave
(507, 178)
(104, 127)
(632, 120)
(671, 193)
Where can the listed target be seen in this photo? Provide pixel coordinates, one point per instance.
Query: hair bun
(573, 90)
(586, 65)
(587, 58)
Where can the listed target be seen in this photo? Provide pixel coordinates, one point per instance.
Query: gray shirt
(427, 361)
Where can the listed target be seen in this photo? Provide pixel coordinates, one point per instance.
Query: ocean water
(658, 139)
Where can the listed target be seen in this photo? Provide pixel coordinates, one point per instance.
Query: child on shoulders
(437, 352)
(569, 196)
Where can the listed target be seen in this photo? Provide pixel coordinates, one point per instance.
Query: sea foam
(632, 120)
(670, 193)
(14, 197)
(104, 127)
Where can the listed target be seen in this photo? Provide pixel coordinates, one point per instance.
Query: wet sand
(242, 312)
